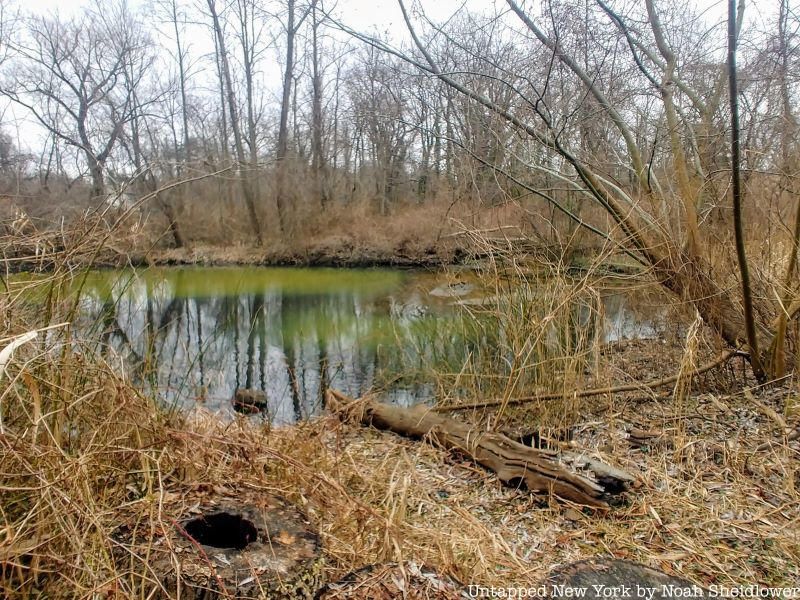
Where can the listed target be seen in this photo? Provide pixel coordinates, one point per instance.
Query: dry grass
(709, 505)
(351, 234)
(85, 457)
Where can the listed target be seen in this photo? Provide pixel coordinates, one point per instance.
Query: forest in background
(285, 123)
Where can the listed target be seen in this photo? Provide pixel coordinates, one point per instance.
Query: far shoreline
(343, 256)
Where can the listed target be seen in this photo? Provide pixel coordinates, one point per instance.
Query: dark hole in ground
(517, 483)
(548, 440)
(222, 530)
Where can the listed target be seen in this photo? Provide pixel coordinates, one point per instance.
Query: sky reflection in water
(198, 334)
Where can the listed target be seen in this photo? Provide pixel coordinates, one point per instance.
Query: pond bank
(341, 254)
(345, 252)
(42, 255)
(35, 256)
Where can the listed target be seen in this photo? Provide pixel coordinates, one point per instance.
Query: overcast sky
(385, 14)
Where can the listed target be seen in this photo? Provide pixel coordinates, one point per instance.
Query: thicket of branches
(152, 93)
(611, 118)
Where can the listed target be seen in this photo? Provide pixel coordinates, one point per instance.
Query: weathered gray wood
(572, 476)
(613, 579)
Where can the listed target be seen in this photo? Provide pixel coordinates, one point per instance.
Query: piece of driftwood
(389, 581)
(264, 549)
(611, 578)
(568, 475)
(249, 401)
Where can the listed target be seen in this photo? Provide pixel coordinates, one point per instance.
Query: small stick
(631, 387)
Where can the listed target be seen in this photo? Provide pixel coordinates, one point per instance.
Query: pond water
(198, 334)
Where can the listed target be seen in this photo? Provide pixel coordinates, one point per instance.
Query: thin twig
(630, 387)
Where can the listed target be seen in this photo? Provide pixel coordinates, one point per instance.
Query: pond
(195, 335)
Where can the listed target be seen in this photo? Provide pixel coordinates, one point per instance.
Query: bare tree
(318, 162)
(381, 111)
(70, 75)
(247, 190)
(736, 193)
(250, 31)
(176, 18)
(142, 148)
(291, 27)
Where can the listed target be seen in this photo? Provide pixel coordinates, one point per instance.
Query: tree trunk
(182, 160)
(247, 190)
(283, 127)
(737, 193)
(248, 43)
(224, 149)
(318, 160)
(98, 179)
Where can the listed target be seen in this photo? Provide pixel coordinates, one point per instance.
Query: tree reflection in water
(200, 343)
(196, 335)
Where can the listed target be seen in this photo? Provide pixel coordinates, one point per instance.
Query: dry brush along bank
(47, 251)
(84, 455)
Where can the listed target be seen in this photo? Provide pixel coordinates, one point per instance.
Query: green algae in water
(213, 282)
(196, 334)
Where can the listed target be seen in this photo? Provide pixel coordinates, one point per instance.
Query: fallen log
(568, 475)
